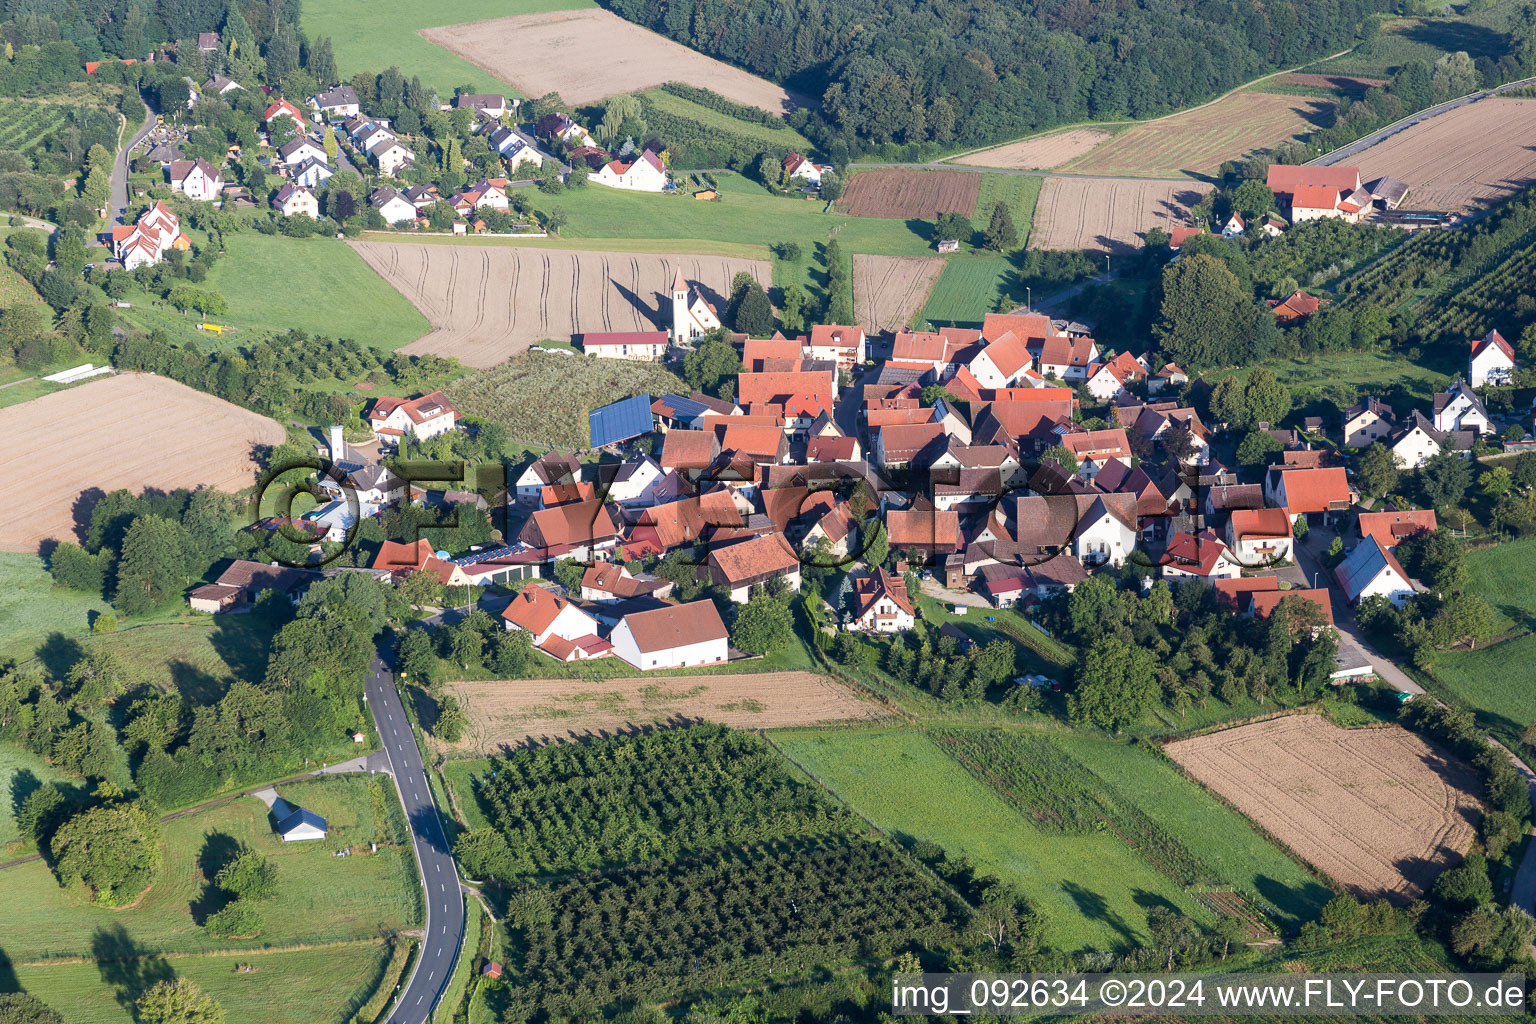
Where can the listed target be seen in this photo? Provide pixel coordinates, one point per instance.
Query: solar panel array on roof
(485, 556)
(684, 408)
(620, 421)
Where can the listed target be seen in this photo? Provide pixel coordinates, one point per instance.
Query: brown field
(590, 55)
(1109, 214)
(488, 303)
(134, 430)
(1198, 141)
(505, 714)
(922, 194)
(1039, 154)
(1465, 159)
(1349, 85)
(889, 290)
(1378, 810)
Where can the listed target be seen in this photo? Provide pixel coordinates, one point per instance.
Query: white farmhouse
(1458, 408)
(390, 157)
(422, 417)
(1371, 570)
(293, 200)
(645, 174)
(197, 179)
(881, 604)
(1492, 361)
(392, 206)
(677, 636)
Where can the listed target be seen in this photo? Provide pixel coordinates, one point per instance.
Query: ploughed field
(506, 714)
(132, 430)
(488, 303)
(889, 290)
(1379, 810)
(1465, 159)
(1109, 214)
(1039, 153)
(920, 194)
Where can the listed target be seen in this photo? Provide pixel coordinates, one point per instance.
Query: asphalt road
(119, 191)
(439, 876)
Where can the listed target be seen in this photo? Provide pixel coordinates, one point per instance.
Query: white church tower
(691, 315)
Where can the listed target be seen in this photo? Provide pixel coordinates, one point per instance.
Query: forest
(972, 71)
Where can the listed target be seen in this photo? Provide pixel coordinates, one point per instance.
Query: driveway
(1354, 649)
(119, 191)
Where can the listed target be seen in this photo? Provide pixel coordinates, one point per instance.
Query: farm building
(643, 174)
(1315, 192)
(237, 587)
(620, 421)
(746, 564)
(559, 628)
(676, 636)
(1371, 571)
(422, 417)
(1492, 361)
(639, 346)
(296, 824)
(196, 179)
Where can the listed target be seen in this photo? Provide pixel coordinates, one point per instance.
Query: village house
(559, 628)
(392, 206)
(1392, 528)
(881, 604)
(218, 85)
(299, 150)
(1294, 308)
(400, 560)
(799, 167)
(1371, 571)
(1234, 227)
(1368, 421)
(238, 587)
(1308, 492)
(636, 346)
(580, 530)
(294, 200)
(490, 104)
(196, 179)
(632, 482)
(843, 345)
(1169, 378)
(1459, 408)
(1067, 358)
(1419, 441)
(643, 174)
(1108, 380)
(1492, 361)
(746, 564)
(338, 101)
(675, 636)
(549, 468)
(312, 173)
(606, 582)
(1198, 556)
(391, 157)
(207, 42)
(145, 242)
(282, 108)
(1260, 536)
(421, 417)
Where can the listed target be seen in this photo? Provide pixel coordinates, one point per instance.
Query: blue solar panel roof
(620, 421)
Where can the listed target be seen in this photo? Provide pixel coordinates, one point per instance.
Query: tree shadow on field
(80, 511)
(1147, 900)
(126, 966)
(645, 309)
(1451, 36)
(58, 653)
(195, 685)
(219, 850)
(1092, 906)
(1311, 895)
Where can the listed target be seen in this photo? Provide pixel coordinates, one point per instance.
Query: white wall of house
(709, 652)
(1105, 540)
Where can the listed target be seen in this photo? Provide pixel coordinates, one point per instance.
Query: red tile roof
(1392, 528)
(678, 625)
(926, 529)
(753, 560)
(534, 609)
(1287, 178)
(1260, 522)
(1263, 603)
(1230, 592)
(1315, 490)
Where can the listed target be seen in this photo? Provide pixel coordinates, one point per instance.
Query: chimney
(338, 446)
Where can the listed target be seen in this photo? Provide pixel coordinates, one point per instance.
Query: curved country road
(119, 189)
(443, 902)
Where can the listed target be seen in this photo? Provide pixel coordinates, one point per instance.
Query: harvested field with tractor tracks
(1109, 214)
(1041, 153)
(63, 447)
(920, 194)
(1463, 160)
(488, 303)
(1379, 810)
(589, 55)
(507, 714)
(888, 291)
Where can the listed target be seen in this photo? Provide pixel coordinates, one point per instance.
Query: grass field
(21, 772)
(319, 899)
(1091, 889)
(1480, 34)
(1505, 577)
(273, 284)
(968, 290)
(198, 656)
(370, 35)
(1362, 369)
(1017, 192)
(1488, 680)
(31, 607)
(1224, 840)
(745, 221)
(313, 986)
